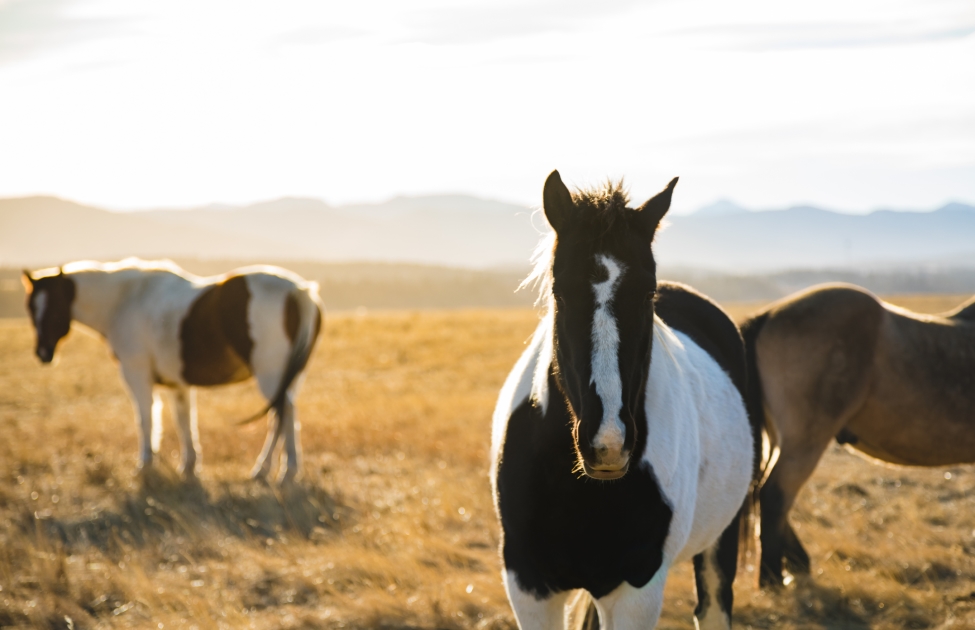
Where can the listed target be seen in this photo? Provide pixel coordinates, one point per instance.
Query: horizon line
(738, 208)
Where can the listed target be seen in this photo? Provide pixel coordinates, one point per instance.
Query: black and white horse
(173, 330)
(621, 443)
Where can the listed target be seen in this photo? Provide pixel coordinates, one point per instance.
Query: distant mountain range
(444, 230)
(805, 237)
(462, 231)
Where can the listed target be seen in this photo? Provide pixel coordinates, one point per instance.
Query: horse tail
(582, 614)
(309, 325)
(755, 407)
(754, 396)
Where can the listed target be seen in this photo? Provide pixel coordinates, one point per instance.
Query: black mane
(603, 206)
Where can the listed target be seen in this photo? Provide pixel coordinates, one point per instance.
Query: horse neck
(98, 295)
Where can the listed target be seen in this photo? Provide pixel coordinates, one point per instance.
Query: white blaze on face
(40, 302)
(605, 359)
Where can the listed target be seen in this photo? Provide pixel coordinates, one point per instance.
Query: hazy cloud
(315, 35)
(31, 27)
(822, 35)
(493, 21)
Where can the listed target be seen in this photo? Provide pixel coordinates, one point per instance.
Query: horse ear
(27, 280)
(557, 201)
(653, 211)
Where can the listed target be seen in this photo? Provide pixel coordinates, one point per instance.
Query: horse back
(684, 309)
(824, 340)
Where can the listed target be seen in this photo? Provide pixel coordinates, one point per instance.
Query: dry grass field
(391, 525)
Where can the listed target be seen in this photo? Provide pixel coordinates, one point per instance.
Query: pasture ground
(391, 525)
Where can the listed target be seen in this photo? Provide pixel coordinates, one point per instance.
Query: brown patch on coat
(215, 341)
(292, 317)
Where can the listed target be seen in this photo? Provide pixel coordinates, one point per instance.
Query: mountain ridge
(472, 232)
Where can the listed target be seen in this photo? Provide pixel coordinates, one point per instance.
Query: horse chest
(563, 531)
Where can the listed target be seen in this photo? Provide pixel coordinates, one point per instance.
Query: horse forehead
(606, 283)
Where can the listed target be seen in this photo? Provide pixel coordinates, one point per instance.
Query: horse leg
(714, 577)
(532, 613)
(630, 607)
(776, 497)
(263, 466)
(290, 429)
(184, 405)
(148, 411)
(793, 551)
(268, 384)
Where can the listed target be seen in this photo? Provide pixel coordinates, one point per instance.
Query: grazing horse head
(603, 283)
(49, 300)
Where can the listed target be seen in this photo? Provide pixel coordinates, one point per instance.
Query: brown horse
(834, 361)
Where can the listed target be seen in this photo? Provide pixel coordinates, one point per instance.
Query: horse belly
(910, 435)
(723, 482)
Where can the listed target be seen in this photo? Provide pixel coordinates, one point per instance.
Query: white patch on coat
(695, 413)
(605, 358)
(530, 612)
(40, 304)
(545, 337)
(520, 384)
(631, 608)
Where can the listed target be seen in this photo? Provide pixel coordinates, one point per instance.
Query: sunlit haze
(136, 104)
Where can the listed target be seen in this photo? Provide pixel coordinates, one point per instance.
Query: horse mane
(605, 205)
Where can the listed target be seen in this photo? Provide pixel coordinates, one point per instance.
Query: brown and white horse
(172, 330)
(835, 362)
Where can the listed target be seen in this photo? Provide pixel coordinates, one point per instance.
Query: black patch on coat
(563, 530)
(215, 342)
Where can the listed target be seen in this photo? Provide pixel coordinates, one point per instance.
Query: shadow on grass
(811, 604)
(165, 506)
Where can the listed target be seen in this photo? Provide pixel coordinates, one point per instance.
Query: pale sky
(847, 104)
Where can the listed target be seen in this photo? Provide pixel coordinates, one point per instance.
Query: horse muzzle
(46, 355)
(607, 467)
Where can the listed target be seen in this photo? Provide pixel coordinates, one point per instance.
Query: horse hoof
(770, 581)
(288, 478)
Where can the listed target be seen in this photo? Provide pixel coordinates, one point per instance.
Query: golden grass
(392, 524)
